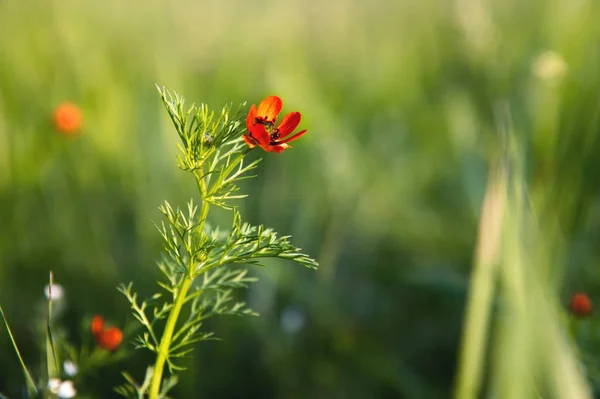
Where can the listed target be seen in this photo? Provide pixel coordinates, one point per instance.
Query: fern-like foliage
(211, 148)
(246, 244)
(132, 390)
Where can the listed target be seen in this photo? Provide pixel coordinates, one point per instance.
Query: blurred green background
(399, 99)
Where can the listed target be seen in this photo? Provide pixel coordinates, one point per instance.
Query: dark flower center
(262, 121)
(275, 134)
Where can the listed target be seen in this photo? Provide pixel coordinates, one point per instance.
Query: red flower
(67, 118)
(580, 304)
(261, 126)
(109, 338)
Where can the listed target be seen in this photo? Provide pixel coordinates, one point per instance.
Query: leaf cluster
(211, 148)
(206, 257)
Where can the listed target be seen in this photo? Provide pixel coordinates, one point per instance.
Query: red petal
(289, 123)
(250, 117)
(97, 324)
(294, 137)
(260, 135)
(276, 148)
(269, 108)
(249, 140)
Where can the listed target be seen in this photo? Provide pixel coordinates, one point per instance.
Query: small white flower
(66, 390)
(54, 384)
(70, 368)
(54, 292)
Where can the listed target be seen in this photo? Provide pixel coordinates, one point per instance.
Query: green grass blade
(483, 286)
(31, 388)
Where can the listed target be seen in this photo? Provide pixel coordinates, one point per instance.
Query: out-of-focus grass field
(405, 102)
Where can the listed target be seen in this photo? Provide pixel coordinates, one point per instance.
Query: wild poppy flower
(109, 338)
(67, 118)
(262, 131)
(580, 304)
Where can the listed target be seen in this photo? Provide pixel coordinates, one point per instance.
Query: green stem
(165, 342)
(184, 286)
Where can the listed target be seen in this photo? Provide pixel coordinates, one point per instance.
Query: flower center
(275, 134)
(269, 127)
(259, 120)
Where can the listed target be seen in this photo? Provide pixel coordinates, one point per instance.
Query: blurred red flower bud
(109, 338)
(580, 304)
(97, 324)
(67, 118)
